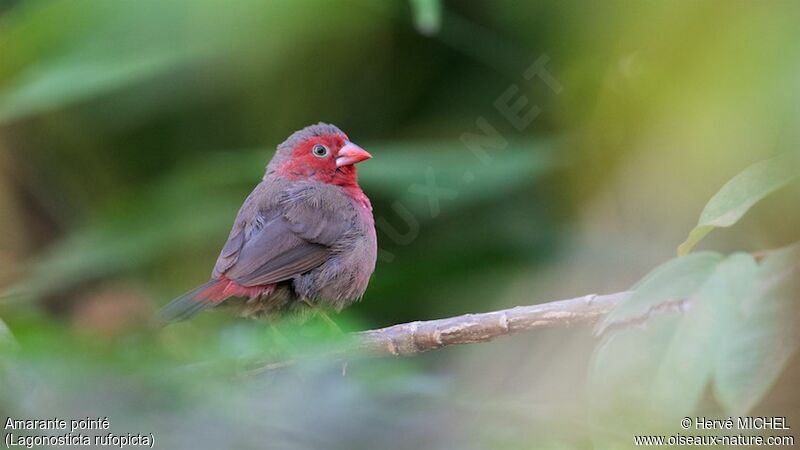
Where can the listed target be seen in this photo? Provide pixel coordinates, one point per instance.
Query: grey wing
(295, 236)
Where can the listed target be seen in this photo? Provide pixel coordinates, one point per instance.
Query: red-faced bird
(304, 238)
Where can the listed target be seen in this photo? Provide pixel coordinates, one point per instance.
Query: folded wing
(297, 235)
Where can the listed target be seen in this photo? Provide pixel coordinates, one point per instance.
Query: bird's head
(318, 152)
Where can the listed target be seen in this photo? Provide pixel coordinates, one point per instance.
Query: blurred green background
(132, 130)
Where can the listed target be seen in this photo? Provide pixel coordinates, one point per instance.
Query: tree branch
(421, 336)
(417, 337)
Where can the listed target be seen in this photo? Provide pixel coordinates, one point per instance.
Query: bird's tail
(194, 301)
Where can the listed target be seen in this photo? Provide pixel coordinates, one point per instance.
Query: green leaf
(735, 331)
(6, 338)
(673, 280)
(62, 52)
(762, 334)
(668, 358)
(620, 379)
(739, 194)
(686, 367)
(410, 172)
(427, 16)
(625, 365)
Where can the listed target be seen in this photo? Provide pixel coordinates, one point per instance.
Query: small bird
(304, 238)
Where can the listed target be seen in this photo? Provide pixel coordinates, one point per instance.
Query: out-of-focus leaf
(736, 329)
(676, 279)
(142, 388)
(686, 366)
(416, 174)
(739, 194)
(108, 248)
(6, 337)
(620, 380)
(159, 221)
(762, 334)
(668, 356)
(427, 15)
(61, 52)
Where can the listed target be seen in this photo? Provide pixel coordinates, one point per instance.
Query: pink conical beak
(351, 154)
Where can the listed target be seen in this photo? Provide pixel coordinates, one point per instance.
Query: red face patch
(315, 158)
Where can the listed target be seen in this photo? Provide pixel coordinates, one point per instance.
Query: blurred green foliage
(740, 194)
(131, 131)
(427, 15)
(735, 330)
(703, 319)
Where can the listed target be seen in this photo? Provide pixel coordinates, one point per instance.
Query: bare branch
(421, 336)
(416, 337)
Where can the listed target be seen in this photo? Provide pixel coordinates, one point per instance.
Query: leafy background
(130, 132)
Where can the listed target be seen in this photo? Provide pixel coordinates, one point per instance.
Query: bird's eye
(320, 151)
